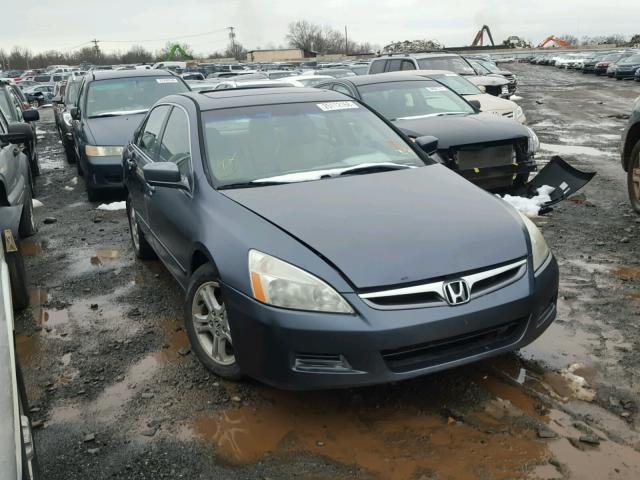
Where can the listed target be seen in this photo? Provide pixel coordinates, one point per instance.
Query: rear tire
(633, 178)
(141, 247)
(31, 460)
(18, 277)
(207, 324)
(27, 225)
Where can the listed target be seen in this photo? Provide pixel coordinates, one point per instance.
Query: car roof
(109, 74)
(230, 98)
(381, 78)
(418, 55)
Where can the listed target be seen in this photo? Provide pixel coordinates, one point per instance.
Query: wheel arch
(200, 256)
(633, 137)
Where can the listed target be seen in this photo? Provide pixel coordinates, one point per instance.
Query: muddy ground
(116, 392)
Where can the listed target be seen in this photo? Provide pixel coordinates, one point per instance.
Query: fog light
(322, 363)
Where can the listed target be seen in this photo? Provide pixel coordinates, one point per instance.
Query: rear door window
(393, 65)
(148, 140)
(377, 66)
(407, 65)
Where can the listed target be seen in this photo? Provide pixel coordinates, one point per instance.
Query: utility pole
(232, 37)
(346, 42)
(96, 48)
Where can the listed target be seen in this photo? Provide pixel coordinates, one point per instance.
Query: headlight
(280, 284)
(518, 114)
(95, 151)
(534, 143)
(539, 248)
(504, 90)
(66, 117)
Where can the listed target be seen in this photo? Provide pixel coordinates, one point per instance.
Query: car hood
(491, 103)
(394, 227)
(113, 130)
(487, 81)
(456, 130)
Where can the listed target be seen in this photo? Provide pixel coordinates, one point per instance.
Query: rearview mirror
(475, 104)
(75, 113)
(17, 133)
(163, 174)
(428, 143)
(31, 115)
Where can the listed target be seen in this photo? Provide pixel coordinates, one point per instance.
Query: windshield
(302, 141)
(401, 100)
(489, 66)
(633, 59)
(121, 96)
(458, 84)
(452, 64)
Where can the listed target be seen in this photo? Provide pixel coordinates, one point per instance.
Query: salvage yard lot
(118, 394)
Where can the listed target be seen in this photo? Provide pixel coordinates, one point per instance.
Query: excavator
(178, 50)
(556, 40)
(479, 40)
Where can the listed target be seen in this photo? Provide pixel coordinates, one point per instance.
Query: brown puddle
(396, 442)
(104, 255)
(30, 248)
(626, 273)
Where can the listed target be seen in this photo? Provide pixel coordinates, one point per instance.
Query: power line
(168, 38)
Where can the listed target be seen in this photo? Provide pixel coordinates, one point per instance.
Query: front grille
(447, 350)
(483, 157)
(431, 294)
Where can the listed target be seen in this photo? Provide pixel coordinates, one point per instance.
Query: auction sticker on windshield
(437, 89)
(328, 107)
(167, 80)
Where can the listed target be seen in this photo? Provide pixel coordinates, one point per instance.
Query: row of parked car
(618, 64)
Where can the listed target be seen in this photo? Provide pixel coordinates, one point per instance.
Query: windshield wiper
(251, 184)
(383, 167)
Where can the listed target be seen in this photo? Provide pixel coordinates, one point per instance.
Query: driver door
(171, 213)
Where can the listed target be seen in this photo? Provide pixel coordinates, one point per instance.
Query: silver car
(17, 451)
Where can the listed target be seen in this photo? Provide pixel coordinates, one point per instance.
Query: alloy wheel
(635, 177)
(210, 322)
(133, 225)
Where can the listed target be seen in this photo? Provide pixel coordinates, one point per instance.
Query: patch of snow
(113, 206)
(37, 203)
(515, 98)
(578, 384)
(572, 150)
(68, 188)
(40, 131)
(530, 206)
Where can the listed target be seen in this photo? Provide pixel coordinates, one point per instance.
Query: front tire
(633, 178)
(141, 247)
(69, 151)
(207, 324)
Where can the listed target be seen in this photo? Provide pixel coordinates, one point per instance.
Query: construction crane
(177, 49)
(479, 40)
(556, 40)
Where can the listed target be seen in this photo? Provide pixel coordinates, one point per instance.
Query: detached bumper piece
(566, 180)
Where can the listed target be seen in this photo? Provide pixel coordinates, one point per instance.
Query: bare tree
(303, 35)
(236, 50)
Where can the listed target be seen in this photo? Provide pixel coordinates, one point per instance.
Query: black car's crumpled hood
(113, 130)
(456, 130)
(393, 227)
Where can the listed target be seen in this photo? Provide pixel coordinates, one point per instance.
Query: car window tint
(342, 89)
(3, 123)
(393, 65)
(377, 66)
(407, 65)
(175, 146)
(6, 107)
(453, 64)
(148, 139)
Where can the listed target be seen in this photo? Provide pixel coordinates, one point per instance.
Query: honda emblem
(456, 292)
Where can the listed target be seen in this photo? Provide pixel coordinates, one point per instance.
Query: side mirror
(56, 100)
(75, 113)
(482, 88)
(428, 143)
(31, 115)
(475, 104)
(163, 174)
(17, 133)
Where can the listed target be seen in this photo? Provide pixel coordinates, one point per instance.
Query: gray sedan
(320, 247)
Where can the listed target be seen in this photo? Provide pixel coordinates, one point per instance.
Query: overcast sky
(64, 24)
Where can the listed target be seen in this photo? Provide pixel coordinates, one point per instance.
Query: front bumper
(378, 346)
(626, 73)
(103, 172)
